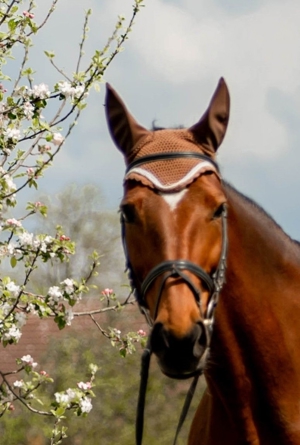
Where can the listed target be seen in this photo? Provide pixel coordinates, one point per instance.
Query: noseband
(176, 269)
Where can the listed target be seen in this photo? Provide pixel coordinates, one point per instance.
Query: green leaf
(50, 54)
(12, 24)
(123, 352)
(13, 261)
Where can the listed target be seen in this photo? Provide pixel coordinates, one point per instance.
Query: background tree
(32, 117)
(85, 218)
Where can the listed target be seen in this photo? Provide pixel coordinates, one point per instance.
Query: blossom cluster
(71, 91)
(79, 399)
(126, 343)
(23, 387)
(72, 398)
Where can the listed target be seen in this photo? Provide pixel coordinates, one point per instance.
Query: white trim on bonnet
(165, 188)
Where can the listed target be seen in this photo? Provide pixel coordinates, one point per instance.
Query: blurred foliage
(112, 418)
(85, 218)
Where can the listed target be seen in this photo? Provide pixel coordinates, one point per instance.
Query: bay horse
(216, 276)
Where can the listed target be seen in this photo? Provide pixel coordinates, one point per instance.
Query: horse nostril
(159, 338)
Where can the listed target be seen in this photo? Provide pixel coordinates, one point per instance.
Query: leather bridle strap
(139, 425)
(139, 422)
(185, 408)
(174, 267)
(168, 156)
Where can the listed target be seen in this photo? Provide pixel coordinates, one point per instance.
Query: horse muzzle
(179, 357)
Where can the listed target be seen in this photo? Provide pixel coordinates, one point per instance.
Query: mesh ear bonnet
(169, 175)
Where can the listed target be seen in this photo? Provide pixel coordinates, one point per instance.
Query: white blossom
(84, 386)
(12, 334)
(6, 308)
(69, 316)
(26, 239)
(18, 383)
(10, 185)
(13, 222)
(38, 244)
(48, 239)
(69, 285)
(85, 405)
(71, 394)
(8, 249)
(57, 139)
(66, 88)
(31, 308)
(2, 115)
(66, 397)
(28, 109)
(20, 319)
(12, 133)
(40, 91)
(79, 90)
(55, 293)
(13, 288)
(70, 91)
(28, 360)
(61, 397)
(43, 247)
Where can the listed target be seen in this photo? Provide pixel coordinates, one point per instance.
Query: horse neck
(253, 355)
(259, 244)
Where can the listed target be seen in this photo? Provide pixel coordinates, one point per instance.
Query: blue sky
(168, 71)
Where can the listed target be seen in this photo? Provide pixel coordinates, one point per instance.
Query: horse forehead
(173, 199)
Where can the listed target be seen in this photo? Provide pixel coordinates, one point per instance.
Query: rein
(175, 268)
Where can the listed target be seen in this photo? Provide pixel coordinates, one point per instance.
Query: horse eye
(127, 213)
(219, 211)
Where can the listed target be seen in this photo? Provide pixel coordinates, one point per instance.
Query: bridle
(177, 269)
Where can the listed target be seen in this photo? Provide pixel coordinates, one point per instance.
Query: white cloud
(254, 51)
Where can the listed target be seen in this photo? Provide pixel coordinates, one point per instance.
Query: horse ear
(211, 128)
(124, 129)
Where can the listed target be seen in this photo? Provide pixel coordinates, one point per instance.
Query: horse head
(172, 216)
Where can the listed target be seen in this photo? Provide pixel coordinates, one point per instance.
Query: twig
(7, 11)
(84, 35)
(50, 12)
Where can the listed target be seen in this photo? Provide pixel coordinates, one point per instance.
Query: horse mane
(155, 127)
(262, 212)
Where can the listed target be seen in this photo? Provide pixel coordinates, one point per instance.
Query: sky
(168, 72)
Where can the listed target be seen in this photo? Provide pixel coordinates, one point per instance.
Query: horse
(216, 276)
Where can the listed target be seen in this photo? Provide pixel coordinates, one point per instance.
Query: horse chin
(183, 375)
(182, 371)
